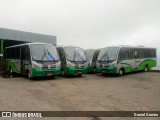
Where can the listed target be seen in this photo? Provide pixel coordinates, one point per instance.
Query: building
(10, 37)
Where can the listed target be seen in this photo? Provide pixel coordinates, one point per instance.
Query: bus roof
(129, 46)
(69, 46)
(27, 44)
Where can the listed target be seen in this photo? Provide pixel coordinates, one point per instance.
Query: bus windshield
(108, 54)
(89, 54)
(75, 54)
(44, 52)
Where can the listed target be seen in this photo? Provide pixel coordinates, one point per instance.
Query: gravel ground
(91, 92)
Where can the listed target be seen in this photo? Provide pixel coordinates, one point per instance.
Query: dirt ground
(91, 92)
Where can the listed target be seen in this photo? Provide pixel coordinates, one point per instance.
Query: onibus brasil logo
(21, 114)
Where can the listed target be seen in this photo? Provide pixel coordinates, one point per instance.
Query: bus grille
(80, 66)
(104, 65)
(47, 68)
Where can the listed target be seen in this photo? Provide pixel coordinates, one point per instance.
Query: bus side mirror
(135, 53)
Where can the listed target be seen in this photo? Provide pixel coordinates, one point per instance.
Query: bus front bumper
(75, 71)
(108, 70)
(36, 72)
(87, 69)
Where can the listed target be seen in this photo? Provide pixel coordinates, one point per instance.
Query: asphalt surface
(91, 92)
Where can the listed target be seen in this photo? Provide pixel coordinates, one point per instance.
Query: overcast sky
(86, 23)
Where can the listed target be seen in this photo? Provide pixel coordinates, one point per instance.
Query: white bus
(124, 59)
(33, 59)
(92, 55)
(73, 60)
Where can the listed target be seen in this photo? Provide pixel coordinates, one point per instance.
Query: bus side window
(95, 55)
(27, 54)
(131, 54)
(60, 53)
(63, 56)
(153, 53)
(17, 53)
(121, 55)
(124, 54)
(135, 54)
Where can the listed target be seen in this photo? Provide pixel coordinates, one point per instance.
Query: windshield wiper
(80, 56)
(51, 55)
(74, 56)
(44, 54)
(104, 56)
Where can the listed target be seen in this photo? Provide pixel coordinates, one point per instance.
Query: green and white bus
(73, 60)
(92, 55)
(125, 59)
(33, 60)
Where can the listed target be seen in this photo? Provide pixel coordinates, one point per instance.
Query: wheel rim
(62, 73)
(29, 75)
(120, 72)
(146, 69)
(11, 73)
(94, 70)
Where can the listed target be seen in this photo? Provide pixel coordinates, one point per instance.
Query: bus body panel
(140, 65)
(130, 59)
(36, 72)
(24, 61)
(13, 64)
(67, 66)
(74, 71)
(88, 69)
(92, 62)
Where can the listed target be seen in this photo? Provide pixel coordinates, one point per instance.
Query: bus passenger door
(25, 59)
(133, 59)
(62, 58)
(64, 62)
(127, 59)
(137, 60)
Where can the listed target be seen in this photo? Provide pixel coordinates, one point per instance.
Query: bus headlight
(58, 65)
(87, 63)
(69, 64)
(112, 63)
(36, 65)
(97, 64)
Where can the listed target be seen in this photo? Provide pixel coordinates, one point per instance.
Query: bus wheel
(10, 73)
(121, 72)
(146, 68)
(62, 73)
(29, 75)
(104, 74)
(79, 75)
(94, 70)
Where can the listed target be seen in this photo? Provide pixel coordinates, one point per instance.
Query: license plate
(103, 71)
(79, 72)
(49, 74)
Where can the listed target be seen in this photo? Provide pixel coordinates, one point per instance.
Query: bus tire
(94, 70)
(79, 75)
(62, 73)
(29, 75)
(121, 72)
(146, 68)
(53, 77)
(10, 73)
(104, 74)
